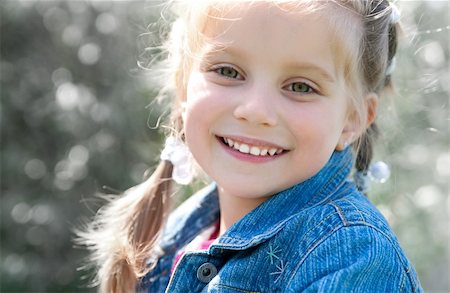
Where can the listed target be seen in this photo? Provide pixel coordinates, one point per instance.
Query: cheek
(196, 132)
(205, 103)
(197, 86)
(195, 93)
(316, 123)
(315, 115)
(200, 114)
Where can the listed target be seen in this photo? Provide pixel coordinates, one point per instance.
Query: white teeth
(253, 150)
(243, 148)
(272, 151)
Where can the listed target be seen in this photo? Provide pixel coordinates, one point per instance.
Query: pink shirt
(204, 244)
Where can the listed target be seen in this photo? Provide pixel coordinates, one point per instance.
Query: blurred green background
(76, 121)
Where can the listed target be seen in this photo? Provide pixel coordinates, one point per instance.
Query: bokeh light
(75, 123)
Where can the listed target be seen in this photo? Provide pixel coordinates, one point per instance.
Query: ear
(354, 127)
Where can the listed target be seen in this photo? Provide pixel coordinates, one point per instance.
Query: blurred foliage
(75, 119)
(416, 142)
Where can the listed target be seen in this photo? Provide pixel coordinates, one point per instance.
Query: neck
(233, 208)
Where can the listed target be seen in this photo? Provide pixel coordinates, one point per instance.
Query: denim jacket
(321, 235)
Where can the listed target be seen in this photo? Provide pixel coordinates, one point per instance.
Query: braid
(126, 231)
(378, 46)
(365, 148)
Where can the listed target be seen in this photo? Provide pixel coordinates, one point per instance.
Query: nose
(257, 107)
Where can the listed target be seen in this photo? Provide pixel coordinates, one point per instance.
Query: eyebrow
(311, 67)
(212, 50)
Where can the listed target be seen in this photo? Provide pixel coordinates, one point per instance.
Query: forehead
(259, 14)
(286, 30)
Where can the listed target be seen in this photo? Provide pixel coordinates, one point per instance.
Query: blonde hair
(125, 232)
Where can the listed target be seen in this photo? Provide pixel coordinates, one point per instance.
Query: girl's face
(267, 110)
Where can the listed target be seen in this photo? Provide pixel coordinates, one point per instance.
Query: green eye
(300, 87)
(229, 72)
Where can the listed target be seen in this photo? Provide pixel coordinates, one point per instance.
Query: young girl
(276, 102)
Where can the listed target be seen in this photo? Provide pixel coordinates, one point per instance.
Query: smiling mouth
(245, 148)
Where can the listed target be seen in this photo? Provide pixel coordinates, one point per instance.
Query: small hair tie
(362, 181)
(378, 172)
(179, 155)
(395, 13)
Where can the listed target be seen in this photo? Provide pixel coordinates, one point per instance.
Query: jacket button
(206, 272)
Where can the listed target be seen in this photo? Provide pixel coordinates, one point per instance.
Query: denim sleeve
(356, 258)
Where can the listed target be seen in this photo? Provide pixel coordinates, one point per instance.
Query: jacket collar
(202, 210)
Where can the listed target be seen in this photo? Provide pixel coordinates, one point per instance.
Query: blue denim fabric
(321, 235)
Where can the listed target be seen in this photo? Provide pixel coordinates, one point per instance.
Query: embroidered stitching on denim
(276, 260)
(272, 254)
(280, 267)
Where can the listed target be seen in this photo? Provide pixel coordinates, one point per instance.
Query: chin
(247, 189)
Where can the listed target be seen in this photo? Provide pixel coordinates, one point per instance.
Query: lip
(252, 142)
